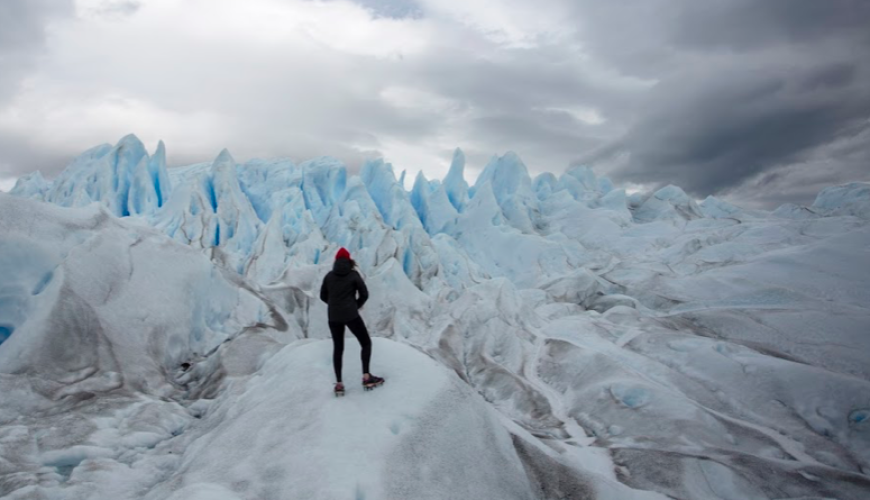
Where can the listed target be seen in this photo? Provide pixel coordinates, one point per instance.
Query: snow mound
(424, 434)
(32, 185)
(668, 203)
(792, 211)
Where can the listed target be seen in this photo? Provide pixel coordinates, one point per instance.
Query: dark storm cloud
(710, 132)
(745, 88)
(846, 159)
(650, 37)
(750, 24)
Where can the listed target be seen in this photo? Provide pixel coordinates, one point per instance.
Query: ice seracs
(849, 199)
(582, 183)
(454, 183)
(433, 206)
(668, 203)
(124, 178)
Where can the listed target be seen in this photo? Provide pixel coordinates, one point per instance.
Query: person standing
(345, 292)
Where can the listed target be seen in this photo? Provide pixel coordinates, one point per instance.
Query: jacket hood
(342, 267)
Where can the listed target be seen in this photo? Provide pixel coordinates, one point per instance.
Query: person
(345, 292)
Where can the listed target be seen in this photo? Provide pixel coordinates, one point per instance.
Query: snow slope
(161, 336)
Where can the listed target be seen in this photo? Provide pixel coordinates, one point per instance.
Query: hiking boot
(371, 382)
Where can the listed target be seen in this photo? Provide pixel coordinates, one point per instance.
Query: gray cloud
(22, 37)
(22, 40)
(19, 156)
(120, 8)
(397, 9)
(23, 22)
(541, 135)
(522, 102)
(731, 98)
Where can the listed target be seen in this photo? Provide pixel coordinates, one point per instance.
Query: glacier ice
(850, 199)
(548, 337)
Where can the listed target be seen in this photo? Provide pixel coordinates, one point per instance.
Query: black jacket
(339, 291)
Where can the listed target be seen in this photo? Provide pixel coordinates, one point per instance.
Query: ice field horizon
(547, 337)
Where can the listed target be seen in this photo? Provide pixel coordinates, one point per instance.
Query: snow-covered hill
(161, 337)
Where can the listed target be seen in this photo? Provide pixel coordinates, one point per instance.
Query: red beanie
(342, 254)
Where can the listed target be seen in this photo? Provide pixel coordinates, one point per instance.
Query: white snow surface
(161, 336)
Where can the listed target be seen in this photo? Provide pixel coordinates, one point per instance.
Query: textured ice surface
(542, 338)
(850, 199)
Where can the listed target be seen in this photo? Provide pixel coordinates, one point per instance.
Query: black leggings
(358, 329)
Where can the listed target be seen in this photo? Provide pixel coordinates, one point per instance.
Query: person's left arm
(362, 291)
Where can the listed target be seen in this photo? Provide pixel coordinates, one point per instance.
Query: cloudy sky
(758, 101)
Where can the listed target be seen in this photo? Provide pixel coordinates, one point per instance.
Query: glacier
(542, 338)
